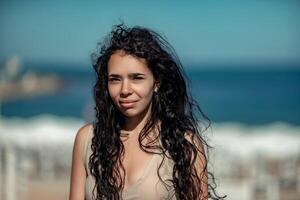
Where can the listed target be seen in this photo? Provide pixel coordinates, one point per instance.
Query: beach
(241, 66)
(249, 162)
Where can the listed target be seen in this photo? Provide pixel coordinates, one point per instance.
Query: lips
(127, 104)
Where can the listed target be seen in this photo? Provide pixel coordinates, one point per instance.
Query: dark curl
(172, 107)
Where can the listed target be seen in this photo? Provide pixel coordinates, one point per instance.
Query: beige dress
(147, 187)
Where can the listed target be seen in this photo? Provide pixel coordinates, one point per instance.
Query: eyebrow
(130, 75)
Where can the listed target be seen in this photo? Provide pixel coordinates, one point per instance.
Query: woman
(147, 141)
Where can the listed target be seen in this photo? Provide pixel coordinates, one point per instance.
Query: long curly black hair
(172, 107)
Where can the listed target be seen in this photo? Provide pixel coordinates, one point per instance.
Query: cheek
(112, 91)
(146, 93)
(145, 90)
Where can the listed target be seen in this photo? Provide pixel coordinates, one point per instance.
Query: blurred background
(243, 65)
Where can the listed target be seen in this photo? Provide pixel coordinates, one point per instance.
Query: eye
(138, 78)
(113, 80)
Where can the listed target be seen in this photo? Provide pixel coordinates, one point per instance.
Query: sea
(254, 110)
(252, 95)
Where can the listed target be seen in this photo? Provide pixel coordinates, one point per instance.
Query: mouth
(128, 104)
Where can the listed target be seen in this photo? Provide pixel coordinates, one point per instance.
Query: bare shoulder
(82, 133)
(200, 164)
(78, 171)
(80, 139)
(189, 137)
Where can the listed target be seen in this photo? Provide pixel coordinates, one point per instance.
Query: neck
(134, 125)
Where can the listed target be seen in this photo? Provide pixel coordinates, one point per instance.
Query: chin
(130, 114)
(135, 111)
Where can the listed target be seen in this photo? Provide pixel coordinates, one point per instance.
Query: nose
(126, 89)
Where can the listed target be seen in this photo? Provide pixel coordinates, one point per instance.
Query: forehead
(121, 63)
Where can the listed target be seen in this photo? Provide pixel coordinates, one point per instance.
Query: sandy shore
(48, 190)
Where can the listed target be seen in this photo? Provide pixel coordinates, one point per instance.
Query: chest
(137, 164)
(141, 179)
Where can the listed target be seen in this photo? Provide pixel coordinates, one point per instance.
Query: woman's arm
(78, 172)
(201, 167)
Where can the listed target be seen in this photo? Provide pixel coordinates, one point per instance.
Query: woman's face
(130, 84)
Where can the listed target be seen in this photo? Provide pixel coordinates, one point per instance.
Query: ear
(156, 86)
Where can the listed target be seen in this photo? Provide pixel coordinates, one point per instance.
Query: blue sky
(200, 31)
